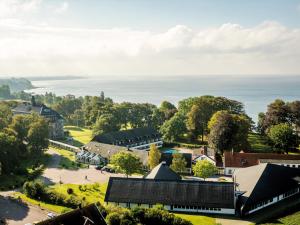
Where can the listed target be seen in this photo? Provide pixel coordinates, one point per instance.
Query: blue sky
(171, 37)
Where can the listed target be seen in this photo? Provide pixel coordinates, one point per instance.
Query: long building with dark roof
(264, 185)
(138, 138)
(174, 195)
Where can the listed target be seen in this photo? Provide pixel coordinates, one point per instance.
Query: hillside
(16, 84)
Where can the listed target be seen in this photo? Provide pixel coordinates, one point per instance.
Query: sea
(255, 92)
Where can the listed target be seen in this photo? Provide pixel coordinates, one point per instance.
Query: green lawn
(68, 159)
(293, 219)
(198, 219)
(80, 135)
(91, 192)
(50, 207)
(258, 143)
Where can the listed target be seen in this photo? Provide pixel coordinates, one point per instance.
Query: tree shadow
(12, 209)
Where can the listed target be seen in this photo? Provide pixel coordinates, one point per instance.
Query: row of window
(291, 165)
(289, 193)
(196, 207)
(261, 204)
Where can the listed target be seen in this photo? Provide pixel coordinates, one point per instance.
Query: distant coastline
(54, 78)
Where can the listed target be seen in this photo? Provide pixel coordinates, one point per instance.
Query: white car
(51, 215)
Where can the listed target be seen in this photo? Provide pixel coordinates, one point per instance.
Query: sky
(149, 37)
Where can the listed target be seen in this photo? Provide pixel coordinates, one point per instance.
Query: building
(263, 185)
(135, 139)
(163, 186)
(204, 157)
(89, 215)
(234, 160)
(168, 158)
(96, 153)
(162, 172)
(55, 120)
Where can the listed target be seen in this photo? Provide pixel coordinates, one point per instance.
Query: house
(89, 215)
(168, 158)
(162, 172)
(135, 139)
(95, 153)
(174, 195)
(234, 160)
(204, 157)
(55, 120)
(263, 185)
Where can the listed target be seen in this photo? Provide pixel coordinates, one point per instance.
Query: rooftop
(163, 172)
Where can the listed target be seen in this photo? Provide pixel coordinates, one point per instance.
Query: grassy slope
(197, 219)
(80, 135)
(258, 143)
(68, 159)
(293, 219)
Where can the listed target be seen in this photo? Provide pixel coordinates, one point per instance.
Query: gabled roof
(106, 150)
(182, 192)
(265, 181)
(168, 157)
(163, 172)
(27, 108)
(241, 160)
(78, 217)
(127, 136)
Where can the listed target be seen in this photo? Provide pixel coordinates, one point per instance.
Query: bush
(70, 191)
(34, 189)
(113, 219)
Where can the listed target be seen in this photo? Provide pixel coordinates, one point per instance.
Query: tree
(105, 123)
(5, 92)
(228, 131)
(282, 136)
(178, 163)
(38, 135)
(5, 115)
(204, 169)
(154, 156)
(168, 109)
(8, 152)
(174, 128)
(126, 162)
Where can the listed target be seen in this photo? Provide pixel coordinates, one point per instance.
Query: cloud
(230, 48)
(11, 8)
(63, 7)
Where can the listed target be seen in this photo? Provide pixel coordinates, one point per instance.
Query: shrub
(34, 189)
(70, 191)
(113, 219)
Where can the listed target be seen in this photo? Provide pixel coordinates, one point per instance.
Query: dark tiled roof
(77, 217)
(163, 172)
(26, 108)
(168, 157)
(240, 160)
(106, 150)
(183, 192)
(125, 137)
(265, 181)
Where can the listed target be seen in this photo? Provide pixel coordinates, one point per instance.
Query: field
(258, 143)
(67, 160)
(197, 219)
(80, 135)
(293, 219)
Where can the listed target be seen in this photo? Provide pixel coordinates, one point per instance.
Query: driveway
(17, 213)
(53, 174)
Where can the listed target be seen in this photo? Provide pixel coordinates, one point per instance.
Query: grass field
(258, 143)
(80, 135)
(293, 219)
(68, 160)
(198, 219)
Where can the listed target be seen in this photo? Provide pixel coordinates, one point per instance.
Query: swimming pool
(170, 150)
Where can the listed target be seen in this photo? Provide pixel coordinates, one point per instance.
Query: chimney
(33, 103)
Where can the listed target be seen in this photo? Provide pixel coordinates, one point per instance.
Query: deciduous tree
(178, 163)
(204, 169)
(154, 156)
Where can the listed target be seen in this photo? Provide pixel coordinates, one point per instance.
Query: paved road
(18, 213)
(53, 174)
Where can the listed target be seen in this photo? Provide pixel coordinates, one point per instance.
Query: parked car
(108, 169)
(51, 215)
(99, 167)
